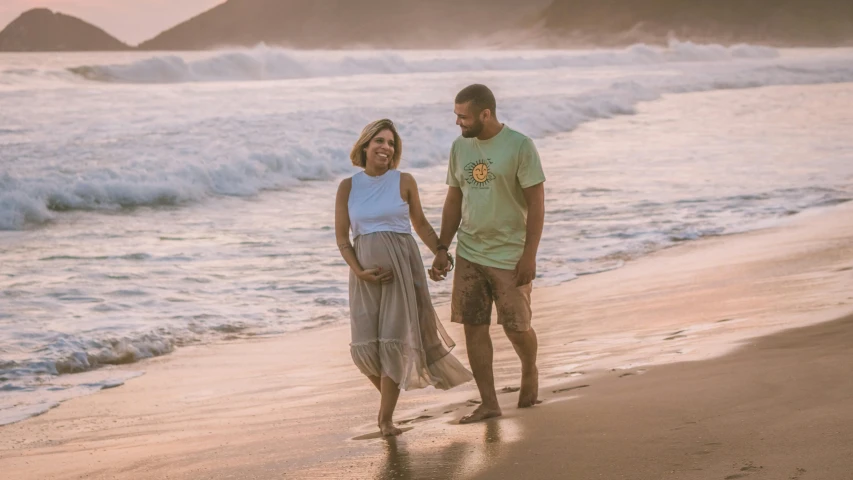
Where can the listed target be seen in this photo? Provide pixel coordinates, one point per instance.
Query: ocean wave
(39, 378)
(86, 351)
(265, 63)
(35, 200)
(285, 162)
(318, 150)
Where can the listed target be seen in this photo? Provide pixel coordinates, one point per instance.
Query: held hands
(525, 270)
(376, 275)
(440, 266)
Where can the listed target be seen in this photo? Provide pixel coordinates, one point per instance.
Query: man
(496, 201)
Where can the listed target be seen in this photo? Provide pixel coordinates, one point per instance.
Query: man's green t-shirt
(493, 174)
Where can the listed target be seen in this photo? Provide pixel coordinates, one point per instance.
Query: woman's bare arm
(416, 213)
(342, 227)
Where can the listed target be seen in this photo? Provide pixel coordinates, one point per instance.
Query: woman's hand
(376, 275)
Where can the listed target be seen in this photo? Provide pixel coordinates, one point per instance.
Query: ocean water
(150, 201)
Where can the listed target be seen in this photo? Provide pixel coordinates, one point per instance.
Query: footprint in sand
(630, 374)
(675, 335)
(568, 389)
(746, 470)
(510, 389)
(415, 420)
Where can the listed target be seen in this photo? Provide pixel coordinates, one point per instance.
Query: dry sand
(295, 407)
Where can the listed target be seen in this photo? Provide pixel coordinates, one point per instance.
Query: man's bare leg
(480, 356)
(390, 393)
(526, 346)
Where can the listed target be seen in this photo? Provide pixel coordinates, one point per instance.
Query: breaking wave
(264, 63)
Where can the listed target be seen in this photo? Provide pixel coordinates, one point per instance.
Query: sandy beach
(638, 381)
(779, 408)
(173, 304)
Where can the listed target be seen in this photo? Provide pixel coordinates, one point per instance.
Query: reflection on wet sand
(434, 450)
(454, 451)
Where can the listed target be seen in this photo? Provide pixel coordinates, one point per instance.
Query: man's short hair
(480, 97)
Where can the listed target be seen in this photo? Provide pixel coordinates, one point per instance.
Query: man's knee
(519, 337)
(512, 330)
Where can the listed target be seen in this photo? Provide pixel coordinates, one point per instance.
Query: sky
(131, 21)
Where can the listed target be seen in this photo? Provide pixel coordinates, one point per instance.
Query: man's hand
(525, 270)
(440, 266)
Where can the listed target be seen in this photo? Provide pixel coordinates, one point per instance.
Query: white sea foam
(143, 174)
(16, 406)
(264, 63)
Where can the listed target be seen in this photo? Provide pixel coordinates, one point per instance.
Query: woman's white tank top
(375, 205)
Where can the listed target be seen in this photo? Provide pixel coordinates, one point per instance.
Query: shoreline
(279, 405)
(444, 302)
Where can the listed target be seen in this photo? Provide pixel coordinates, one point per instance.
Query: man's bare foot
(481, 413)
(529, 394)
(388, 429)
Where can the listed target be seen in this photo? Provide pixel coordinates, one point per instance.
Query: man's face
(469, 119)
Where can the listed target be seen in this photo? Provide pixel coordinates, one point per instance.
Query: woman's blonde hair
(358, 155)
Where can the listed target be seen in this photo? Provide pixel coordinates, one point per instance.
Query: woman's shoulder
(345, 185)
(406, 177)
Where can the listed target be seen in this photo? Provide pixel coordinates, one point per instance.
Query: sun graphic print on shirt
(478, 174)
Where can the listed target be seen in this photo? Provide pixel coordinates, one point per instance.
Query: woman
(397, 339)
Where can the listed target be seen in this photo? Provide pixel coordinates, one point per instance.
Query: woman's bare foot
(388, 429)
(529, 394)
(481, 413)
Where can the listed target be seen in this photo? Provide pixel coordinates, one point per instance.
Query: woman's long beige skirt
(395, 330)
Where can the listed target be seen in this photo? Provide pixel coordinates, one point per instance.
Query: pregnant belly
(381, 249)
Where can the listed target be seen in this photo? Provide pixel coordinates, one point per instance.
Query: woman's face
(380, 151)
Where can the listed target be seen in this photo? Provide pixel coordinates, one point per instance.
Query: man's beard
(473, 131)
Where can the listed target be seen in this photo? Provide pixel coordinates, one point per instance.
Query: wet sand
(639, 381)
(779, 408)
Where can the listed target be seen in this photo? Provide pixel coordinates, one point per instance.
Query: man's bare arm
(525, 270)
(535, 198)
(451, 216)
